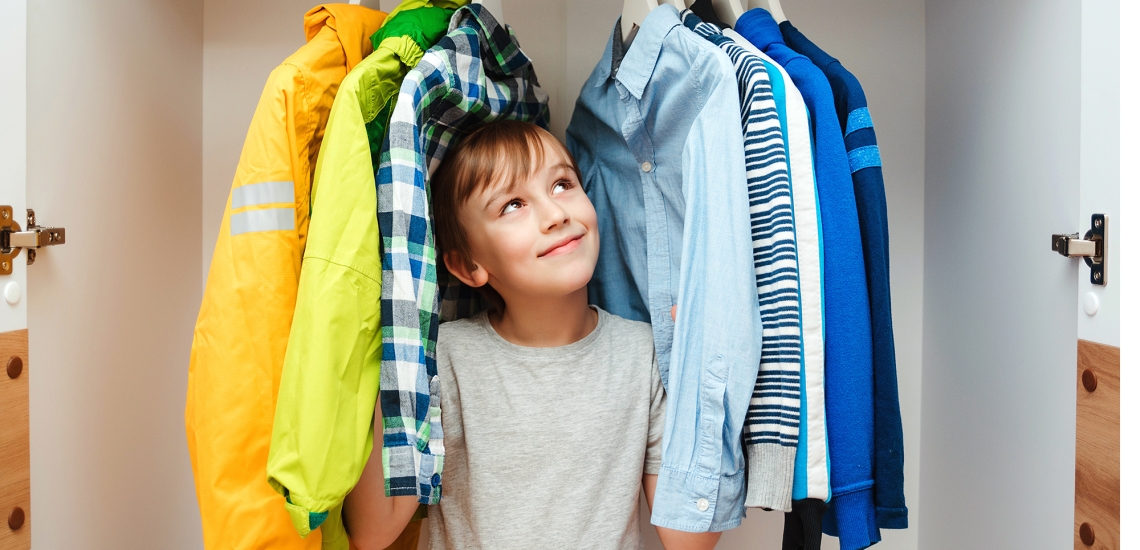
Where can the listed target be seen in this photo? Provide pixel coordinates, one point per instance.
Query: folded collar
(505, 57)
(637, 65)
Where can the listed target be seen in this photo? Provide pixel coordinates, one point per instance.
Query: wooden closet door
(1097, 516)
(15, 468)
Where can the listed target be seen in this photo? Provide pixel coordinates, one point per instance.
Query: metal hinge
(1093, 248)
(12, 239)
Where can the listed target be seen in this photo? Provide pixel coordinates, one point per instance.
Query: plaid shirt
(474, 75)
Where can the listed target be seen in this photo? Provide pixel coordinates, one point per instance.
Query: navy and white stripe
(773, 417)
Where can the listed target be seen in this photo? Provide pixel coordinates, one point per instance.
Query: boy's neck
(546, 322)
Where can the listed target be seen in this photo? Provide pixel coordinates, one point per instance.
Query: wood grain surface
(1098, 446)
(15, 468)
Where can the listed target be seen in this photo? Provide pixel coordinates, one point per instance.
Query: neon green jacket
(323, 427)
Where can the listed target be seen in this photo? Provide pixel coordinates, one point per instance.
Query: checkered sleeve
(409, 393)
(474, 75)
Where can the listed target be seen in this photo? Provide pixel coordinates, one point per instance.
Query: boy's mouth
(563, 246)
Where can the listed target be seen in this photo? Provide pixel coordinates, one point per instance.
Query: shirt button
(702, 504)
(646, 166)
(435, 480)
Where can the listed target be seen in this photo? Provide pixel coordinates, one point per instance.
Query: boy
(552, 410)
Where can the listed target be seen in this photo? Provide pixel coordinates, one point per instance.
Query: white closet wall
(114, 140)
(1003, 172)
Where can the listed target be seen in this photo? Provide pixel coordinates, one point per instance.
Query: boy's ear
(472, 277)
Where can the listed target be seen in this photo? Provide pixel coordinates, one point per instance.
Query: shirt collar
(637, 64)
(501, 52)
(760, 28)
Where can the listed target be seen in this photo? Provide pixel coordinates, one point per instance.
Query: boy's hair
(506, 153)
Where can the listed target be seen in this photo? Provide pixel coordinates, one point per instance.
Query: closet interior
(960, 93)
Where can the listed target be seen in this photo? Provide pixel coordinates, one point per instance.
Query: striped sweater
(847, 313)
(771, 427)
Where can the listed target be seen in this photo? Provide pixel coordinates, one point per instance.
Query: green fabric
(408, 5)
(399, 44)
(322, 429)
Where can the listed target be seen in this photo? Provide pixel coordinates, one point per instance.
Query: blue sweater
(847, 319)
(871, 200)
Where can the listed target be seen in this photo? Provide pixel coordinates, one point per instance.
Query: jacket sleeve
(322, 431)
(716, 339)
(243, 325)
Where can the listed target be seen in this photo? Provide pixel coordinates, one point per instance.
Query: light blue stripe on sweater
(857, 120)
(864, 157)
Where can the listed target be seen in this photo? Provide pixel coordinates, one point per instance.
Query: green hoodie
(322, 429)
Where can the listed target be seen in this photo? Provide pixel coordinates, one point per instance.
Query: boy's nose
(554, 215)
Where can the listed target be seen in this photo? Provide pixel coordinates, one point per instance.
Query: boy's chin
(564, 284)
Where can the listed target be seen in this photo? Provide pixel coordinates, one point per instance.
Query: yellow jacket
(247, 310)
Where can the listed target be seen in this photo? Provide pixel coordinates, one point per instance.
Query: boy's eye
(512, 206)
(561, 187)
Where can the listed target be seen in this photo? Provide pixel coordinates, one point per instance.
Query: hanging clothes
(871, 201)
(247, 308)
(849, 375)
(475, 75)
(323, 428)
(667, 178)
(771, 428)
(812, 474)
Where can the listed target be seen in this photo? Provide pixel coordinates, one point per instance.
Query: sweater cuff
(891, 518)
(771, 469)
(851, 517)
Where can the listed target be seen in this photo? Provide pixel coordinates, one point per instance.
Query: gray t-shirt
(546, 447)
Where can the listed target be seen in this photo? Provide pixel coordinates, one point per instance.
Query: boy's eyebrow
(508, 189)
(499, 192)
(561, 166)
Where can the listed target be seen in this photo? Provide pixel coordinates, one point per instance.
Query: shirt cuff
(402, 479)
(698, 504)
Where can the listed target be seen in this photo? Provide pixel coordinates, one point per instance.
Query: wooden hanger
(728, 11)
(679, 4)
(633, 12)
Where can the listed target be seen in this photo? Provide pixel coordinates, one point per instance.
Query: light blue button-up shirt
(656, 132)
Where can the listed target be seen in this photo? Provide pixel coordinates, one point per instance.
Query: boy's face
(539, 238)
